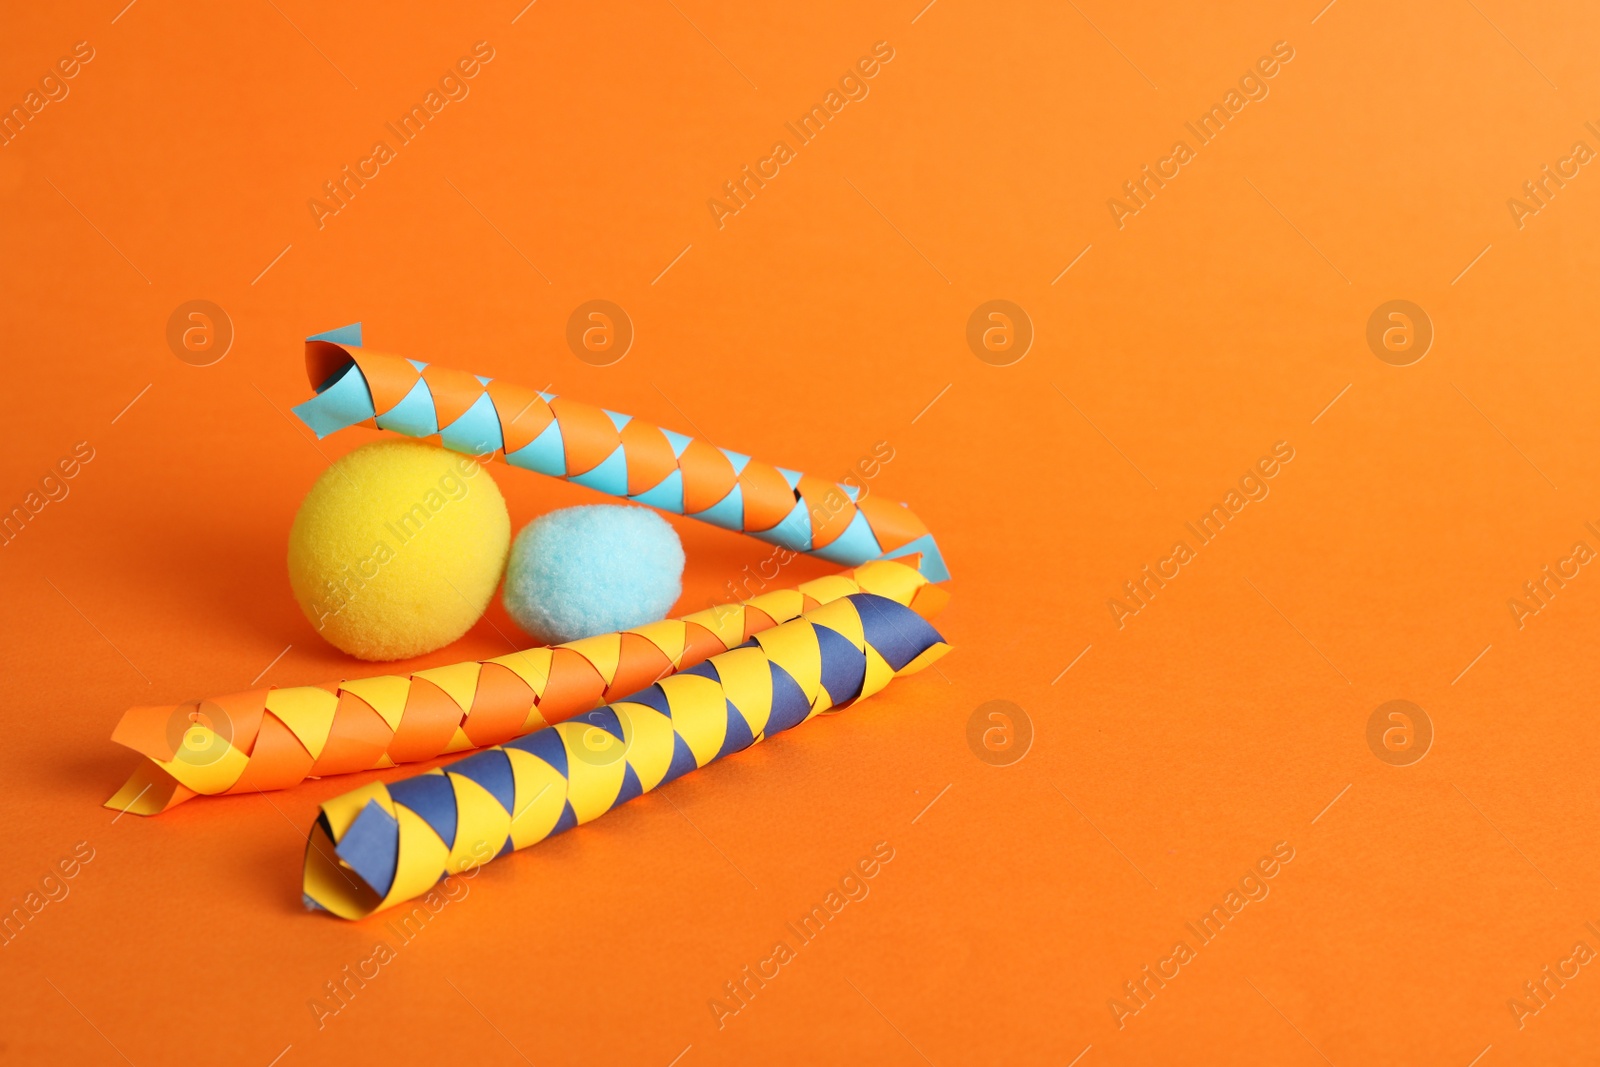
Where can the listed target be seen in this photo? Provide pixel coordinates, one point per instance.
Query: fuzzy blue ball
(590, 570)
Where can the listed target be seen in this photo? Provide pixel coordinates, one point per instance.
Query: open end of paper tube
(330, 882)
(324, 359)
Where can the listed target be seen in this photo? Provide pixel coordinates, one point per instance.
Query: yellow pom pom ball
(397, 549)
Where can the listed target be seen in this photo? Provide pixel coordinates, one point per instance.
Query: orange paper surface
(832, 318)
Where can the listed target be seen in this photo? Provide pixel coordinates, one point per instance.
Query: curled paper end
(150, 791)
(327, 887)
(342, 398)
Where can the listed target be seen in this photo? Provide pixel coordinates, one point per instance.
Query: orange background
(821, 319)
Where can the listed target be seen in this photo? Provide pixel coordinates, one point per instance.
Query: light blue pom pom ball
(590, 570)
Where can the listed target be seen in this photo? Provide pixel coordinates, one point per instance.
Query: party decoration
(382, 844)
(580, 571)
(272, 738)
(616, 454)
(397, 549)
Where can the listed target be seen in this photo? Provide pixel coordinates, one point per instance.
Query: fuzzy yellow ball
(397, 549)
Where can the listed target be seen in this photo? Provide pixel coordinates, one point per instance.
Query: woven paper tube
(276, 738)
(616, 454)
(381, 844)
